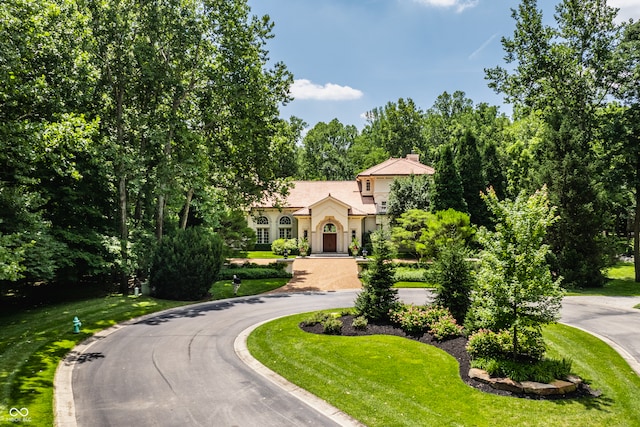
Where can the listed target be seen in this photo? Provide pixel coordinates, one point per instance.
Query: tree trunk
(160, 217)
(124, 235)
(185, 213)
(636, 235)
(122, 193)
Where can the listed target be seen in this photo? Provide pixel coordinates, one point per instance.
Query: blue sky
(350, 56)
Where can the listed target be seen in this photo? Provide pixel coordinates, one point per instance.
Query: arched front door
(329, 238)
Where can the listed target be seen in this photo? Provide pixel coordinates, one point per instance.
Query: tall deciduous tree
(400, 127)
(514, 288)
(622, 126)
(50, 200)
(563, 71)
(325, 150)
(189, 107)
(405, 193)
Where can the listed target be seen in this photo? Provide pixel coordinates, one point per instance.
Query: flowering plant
(303, 246)
(354, 246)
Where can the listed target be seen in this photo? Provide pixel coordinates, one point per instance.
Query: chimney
(414, 157)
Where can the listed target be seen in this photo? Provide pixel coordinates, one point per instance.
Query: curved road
(179, 367)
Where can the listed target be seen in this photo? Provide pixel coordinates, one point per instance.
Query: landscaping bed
(456, 347)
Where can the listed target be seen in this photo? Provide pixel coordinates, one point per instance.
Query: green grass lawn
(413, 285)
(258, 255)
(224, 289)
(392, 381)
(32, 343)
(621, 283)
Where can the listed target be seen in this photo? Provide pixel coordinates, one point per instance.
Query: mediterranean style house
(330, 214)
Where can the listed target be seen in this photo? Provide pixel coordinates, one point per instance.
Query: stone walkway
(322, 274)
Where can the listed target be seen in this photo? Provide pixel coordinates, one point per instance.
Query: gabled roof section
(406, 166)
(305, 194)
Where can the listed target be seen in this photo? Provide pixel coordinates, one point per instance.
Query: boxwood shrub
(254, 271)
(185, 264)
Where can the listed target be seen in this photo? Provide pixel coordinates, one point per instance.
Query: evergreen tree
(378, 295)
(576, 239)
(447, 185)
(451, 274)
(493, 171)
(469, 165)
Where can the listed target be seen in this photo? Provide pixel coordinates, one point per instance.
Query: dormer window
(367, 185)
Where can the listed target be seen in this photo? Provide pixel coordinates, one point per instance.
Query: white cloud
(305, 89)
(460, 5)
(628, 9)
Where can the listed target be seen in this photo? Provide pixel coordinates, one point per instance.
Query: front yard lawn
(621, 283)
(224, 288)
(391, 381)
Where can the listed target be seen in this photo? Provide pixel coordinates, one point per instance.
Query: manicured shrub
(418, 319)
(410, 274)
(258, 272)
(315, 318)
(542, 371)
(186, 264)
(332, 326)
(444, 328)
(360, 322)
(280, 245)
(486, 344)
(412, 319)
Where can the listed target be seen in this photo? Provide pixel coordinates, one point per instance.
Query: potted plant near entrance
(303, 246)
(354, 247)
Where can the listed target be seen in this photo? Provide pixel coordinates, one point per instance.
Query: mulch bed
(455, 347)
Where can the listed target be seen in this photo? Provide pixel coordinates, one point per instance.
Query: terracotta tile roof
(306, 193)
(399, 167)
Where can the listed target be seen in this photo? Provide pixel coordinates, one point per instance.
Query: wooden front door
(329, 242)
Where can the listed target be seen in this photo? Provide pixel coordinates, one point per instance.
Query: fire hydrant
(76, 325)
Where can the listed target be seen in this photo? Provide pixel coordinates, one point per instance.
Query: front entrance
(329, 242)
(329, 238)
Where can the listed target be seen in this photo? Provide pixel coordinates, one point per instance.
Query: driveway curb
(331, 412)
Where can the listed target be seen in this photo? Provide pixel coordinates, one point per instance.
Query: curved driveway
(179, 367)
(612, 319)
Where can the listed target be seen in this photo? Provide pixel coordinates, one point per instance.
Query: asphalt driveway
(180, 367)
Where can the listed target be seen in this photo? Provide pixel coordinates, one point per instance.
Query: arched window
(285, 220)
(329, 228)
(284, 232)
(262, 230)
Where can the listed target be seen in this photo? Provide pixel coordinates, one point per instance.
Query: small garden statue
(236, 284)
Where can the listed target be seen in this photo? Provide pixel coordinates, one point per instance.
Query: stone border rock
(557, 387)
